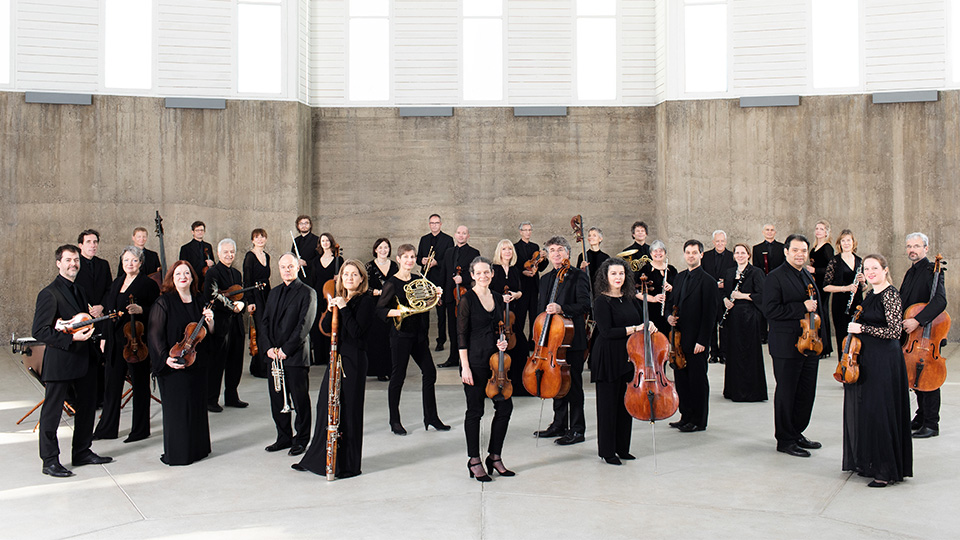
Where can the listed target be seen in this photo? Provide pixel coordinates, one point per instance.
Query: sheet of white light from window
(705, 48)
(369, 8)
(369, 64)
(127, 44)
(482, 8)
(836, 43)
(482, 59)
(597, 8)
(954, 39)
(596, 59)
(6, 31)
(259, 56)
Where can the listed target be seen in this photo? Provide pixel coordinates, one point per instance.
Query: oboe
(333, 397)
(736, 288)
(850, 301)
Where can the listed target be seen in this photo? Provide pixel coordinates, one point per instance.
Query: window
(128, 44)
(596, 50)
(705, 46)
(482, 50)
(259, 46)
(835, 43)
(368, 46)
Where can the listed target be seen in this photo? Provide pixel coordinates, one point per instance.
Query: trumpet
(280, 384)
(422, 296)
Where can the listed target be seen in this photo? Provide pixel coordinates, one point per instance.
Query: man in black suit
(285, 335)
(197, 252)
(306, 242)
(227, 364)
(573, 302)
(785, 303)
(768, 255)
(151, 261)
(915, 289)
(716, 262)
(529, 279)
(697, 297)
(94, 274)
(68, 361)
(440, 242)
(459, 256)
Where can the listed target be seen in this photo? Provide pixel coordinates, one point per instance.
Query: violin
(546, 373)
(809, 340)
(534, 263)
(135, 350)
(254, 349)
(329, 289)
(510, 319)
(926, 367)
(185, 351)
(848, 366)
(206, 252)
(499, 387)
(82, 320)
(651, 396)
(232, 295)
(677, 358)
(458, 293)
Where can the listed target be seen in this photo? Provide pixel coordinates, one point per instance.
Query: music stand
(32, 352)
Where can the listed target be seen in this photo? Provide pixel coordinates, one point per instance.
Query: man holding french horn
(286, 321)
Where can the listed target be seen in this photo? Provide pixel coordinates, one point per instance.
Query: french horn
(421, 296)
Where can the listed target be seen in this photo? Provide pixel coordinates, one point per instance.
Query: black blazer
(775, 255)
(717, 265)
(784, 292)
(94, 279)
(695, 292)
(306, 245)
(916, 286)
(287, 325)
(225, 319)
(573, 295)
(63, 358)
(197, 253)
(444, 242)
(462, 256)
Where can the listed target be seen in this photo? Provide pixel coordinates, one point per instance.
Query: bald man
(458, 257)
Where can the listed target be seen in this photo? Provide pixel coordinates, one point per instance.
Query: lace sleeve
(892, 310)
(831, 269)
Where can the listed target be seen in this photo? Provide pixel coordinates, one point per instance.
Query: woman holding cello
(480, 335)
(183, 386)
(876, 420)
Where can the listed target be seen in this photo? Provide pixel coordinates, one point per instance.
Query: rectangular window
(483, 50)
(128, 44)
(596, 50)
(368, 47)
(836, 43)
(705, 46)
(259, 47)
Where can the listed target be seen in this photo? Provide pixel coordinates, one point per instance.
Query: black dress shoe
(397, 428)
(549, 433)
(132, 438)
(237, 404)
(793, 450)
(926, 433)
(571, 437)
(449, 363)
(713, 360)
(383, 378)
(916, 424)
(92, 459)
(214, 407)
(876, 484)
(678, 424)
(296, 450)
(626, 456)
(439, 347)
(298, 467)
(804, 442)
(277, 446)
(613, 460)
(57, 471)
(690, 427)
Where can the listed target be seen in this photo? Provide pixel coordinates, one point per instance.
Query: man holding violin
(456, 272)
(68, 360)
(786, 302)
(529, 278)
(227, 364)
(197, 252)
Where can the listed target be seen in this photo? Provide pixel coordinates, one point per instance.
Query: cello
(848, 366)
(135, 350)
(809, 340)
(651, 396)
(926, 367)
(546, 373)
(499, 387)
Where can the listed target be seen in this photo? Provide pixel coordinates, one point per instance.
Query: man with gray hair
(716, 262)
(227, 363)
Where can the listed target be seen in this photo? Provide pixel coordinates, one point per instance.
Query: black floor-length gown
(254, 272)
(655, 287)
(317, 276)
(744, 378)
(521, 348)
(378, 337)
(819, 260)
(838, 273)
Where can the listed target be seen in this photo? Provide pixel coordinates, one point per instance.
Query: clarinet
(850, 301)
(736, 288)
(333, 397)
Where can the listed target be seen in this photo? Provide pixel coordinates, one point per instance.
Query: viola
(499, 387)
(809, 340)
(926, 367)
(677, 358)
(458, 293)
(254, 349)
(135, 350)
(848, 365)
(546, 373)
(651, 396)
(185, 351)
(534, 263)
(82, 320)
(510, 319)
(329, 289)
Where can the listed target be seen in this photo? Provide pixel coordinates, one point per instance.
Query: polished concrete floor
(726, 482)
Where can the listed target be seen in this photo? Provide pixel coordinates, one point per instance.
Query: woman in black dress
(256, 269)
(134, 293)
(844, 275)
(744, 378)
(378, 338)
(409, 340)
(356, 312)
(183, 390)
(595, 257)
(507, 275)
(876, 409)
(660, 276)
(478, 320)
(821, 253)
(321, 270)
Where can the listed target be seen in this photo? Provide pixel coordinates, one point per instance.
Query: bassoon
(333, 396)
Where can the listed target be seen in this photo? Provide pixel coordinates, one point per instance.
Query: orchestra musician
(573, 302)
(322, 269)
(639, 232)
(134, 293)
(716, 262)
(842, 278)
(94, 279)
(409, 340)
(660, 278)
(306, 242)
(183, 389)
(595, 257)
(256, 269)
(695, 293)
(785, 303)
(378, 337)
(915, 289)
(356, 310)
(529, 280)
(226, 364)
(876, 408)
(820, 256)
(506, 275)
(151, 260)
(456, 261)
(744, 378)
(68, 362)
(197, 252)
(440, 242)
(285, 322)
(767, 257)
(481, 311)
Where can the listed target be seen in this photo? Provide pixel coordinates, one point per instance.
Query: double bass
(546, 373)
(809, 340)
(499, 387)
(158, 276)
(848, 366)
(651, 396)
(926, 367)
(577, 224)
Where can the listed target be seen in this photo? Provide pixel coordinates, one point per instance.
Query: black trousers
(793, 399)
(442, 326)
(693, 389)
(928, 408)
(403, 348)
(476, 396)
(227, 367)
(297, 380)
(114, 375)
(454, 355)
(55, 392)
(614, 423)
(568, 410)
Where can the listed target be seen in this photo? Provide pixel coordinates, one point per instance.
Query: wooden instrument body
(535, 260)
(80, 321)
(651, 396)
(333, 396)
(809, 340)
(185, 351)
(499, 386)
(546, 374)
(135, 349)
(329, 289)
(926, 367)
(848, 366)
(677, 359)
(254, 349)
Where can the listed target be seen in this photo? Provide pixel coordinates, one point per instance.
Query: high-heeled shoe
(436, 424)
(491, 466)
(476, 474)
(397, 429)
(613, 460)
